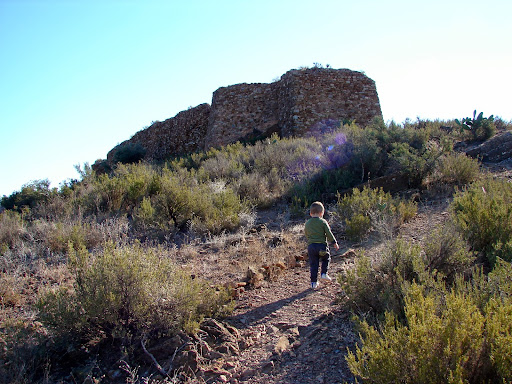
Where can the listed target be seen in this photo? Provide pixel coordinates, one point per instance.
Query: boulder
(494, 150)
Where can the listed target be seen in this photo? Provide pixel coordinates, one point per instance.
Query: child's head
(317, 209)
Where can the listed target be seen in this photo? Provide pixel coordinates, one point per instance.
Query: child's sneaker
(314, 285)
(325, 276)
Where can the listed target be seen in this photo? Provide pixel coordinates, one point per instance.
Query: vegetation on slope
(103, 249)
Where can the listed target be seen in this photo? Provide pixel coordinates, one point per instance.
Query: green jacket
(317, 230)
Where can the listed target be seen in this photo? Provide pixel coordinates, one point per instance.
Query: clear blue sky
(79, 77)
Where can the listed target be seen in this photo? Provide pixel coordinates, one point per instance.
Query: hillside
(127, 277)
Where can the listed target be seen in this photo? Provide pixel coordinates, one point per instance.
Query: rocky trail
(294, 334)
(291, 333)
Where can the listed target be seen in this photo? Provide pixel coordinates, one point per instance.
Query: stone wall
(312, 96)
(182, 134)
(240, 111)
(299, 102)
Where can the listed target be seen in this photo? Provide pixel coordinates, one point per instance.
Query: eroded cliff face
(292, 106)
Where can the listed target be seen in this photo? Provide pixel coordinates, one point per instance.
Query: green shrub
(442, 341)
(129, 153)
(12, 229)
(30, 196)
(357, 226)
(457, 335)
(480, 127)
(370, 209)
(128, 290)
(368, 157)
(499, 329)
(458, 169)
(373, 287)
(163, 201)
(416, 164)
(447, 254)
(222, 166)
(209, 207)
(78, 234)
(255, 188)
(483, 213)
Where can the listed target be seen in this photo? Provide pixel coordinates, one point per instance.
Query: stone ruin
(300, 101)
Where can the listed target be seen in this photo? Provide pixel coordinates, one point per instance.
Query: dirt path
(298, 335)
(295, 334)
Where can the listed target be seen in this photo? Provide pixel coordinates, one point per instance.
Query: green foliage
(368, 209)
(299, 169)
(164, 200)
(483, 213)
(12, 228)
(499, 330)
(129, 153)
(458, 169)
(368, 150)
(480, 127)
(447, 254)
(357, 226)
(372, 288)
(416, 164)
(127, 290)
(442, 342)
(376, 149)
(79, 234)
(31, 194)
(447, 335)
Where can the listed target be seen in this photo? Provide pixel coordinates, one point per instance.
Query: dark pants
(317, 252)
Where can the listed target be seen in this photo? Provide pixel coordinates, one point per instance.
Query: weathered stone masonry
(291, 106)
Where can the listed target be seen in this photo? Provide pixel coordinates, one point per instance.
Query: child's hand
(336, 246)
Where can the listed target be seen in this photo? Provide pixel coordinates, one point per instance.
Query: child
(317, 233)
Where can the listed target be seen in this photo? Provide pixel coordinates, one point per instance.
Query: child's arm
(330, 236)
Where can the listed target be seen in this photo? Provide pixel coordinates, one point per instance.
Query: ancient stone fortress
(297, 103)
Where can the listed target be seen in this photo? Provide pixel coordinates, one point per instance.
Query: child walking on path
(318, 233)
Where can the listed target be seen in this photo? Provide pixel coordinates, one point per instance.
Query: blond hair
(317, 208)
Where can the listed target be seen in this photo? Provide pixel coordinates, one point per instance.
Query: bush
(12, 229)
(370, 209)
(372, 288)
(479, 127)
(59, 235)
(31, 194)
(447, 254)
(442, 342)
(207, 207)
(129, 153)
(483, 213)
(447, 336)
(163, 201)
(254, 187)
(22, 354)
(128, 290)
(375, 287)
(416, 164)
(458, 169)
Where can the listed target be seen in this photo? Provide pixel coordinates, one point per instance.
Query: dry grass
(227, 257)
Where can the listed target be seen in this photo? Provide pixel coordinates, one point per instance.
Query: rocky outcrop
(301, 101)
(494, 150)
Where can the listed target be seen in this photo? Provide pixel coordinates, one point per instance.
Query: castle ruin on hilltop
(291, 106)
